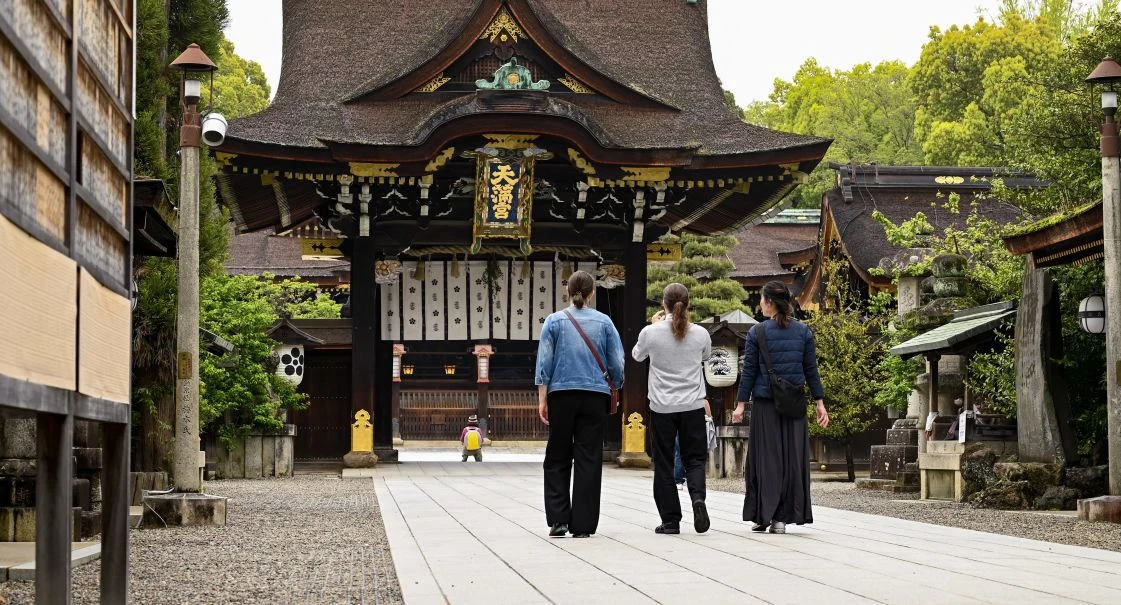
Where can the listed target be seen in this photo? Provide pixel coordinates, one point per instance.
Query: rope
(504, 251)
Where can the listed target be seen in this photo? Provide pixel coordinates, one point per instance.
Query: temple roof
(337, 82)
(900, 192)
(1070, 238)
(259, 252)
(771, 249)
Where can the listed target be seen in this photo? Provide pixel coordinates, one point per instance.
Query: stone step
(905, 489)
(885, 485)
(907, 479)
(903, 437)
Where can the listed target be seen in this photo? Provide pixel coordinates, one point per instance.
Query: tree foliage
(848, 351)
(868, 111)
(704, 269)
(242, 388)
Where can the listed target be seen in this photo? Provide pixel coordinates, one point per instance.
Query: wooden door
(323, 429)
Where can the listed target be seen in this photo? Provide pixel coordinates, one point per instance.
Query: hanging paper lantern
(721, 369)
(291, 365)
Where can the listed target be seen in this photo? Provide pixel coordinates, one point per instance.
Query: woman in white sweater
(677, 349)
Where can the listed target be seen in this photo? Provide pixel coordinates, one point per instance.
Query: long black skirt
(778, 467)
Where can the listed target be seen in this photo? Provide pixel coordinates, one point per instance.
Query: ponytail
(680, 320)
(676, 298)
(779, 295)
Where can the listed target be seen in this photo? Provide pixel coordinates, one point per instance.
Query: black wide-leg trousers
(689, 428)
(576, 424)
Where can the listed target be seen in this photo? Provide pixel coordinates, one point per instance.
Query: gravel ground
(311, 539)
(1037, 525)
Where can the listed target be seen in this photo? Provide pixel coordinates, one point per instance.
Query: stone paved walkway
(475, 533)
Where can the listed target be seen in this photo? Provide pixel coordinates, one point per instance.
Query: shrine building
(467, 157)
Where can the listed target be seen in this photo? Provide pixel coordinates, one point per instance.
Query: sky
(753, 41)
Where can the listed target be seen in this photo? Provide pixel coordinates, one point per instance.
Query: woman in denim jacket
(573, 397)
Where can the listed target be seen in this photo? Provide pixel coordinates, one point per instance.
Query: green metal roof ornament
(512, 76)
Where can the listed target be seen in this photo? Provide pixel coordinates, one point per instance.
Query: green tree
(848, 352)
(704, 269)
(241, 391)
(240, 86)
(868, 111)
(972, 82)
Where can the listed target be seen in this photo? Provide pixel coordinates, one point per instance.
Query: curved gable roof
(651, 49)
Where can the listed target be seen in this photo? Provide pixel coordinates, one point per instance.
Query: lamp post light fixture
(1108, 73)
(449, 369)
(193, 61)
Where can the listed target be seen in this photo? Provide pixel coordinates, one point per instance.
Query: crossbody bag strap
(761, 336)
(592, 348)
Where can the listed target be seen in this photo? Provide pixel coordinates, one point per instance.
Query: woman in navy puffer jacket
(778, 469)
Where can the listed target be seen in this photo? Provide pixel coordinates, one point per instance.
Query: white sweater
(677, 381)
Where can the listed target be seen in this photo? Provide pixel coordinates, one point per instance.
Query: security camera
(214, 129)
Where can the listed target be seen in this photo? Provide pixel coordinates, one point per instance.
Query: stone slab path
(475, 533)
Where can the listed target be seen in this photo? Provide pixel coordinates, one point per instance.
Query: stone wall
(258, 455)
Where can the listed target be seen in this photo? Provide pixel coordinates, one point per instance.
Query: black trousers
(689, 428)
(575, 440)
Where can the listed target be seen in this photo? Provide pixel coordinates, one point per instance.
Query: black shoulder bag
(790, 399)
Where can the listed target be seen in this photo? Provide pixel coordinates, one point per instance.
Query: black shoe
(581, 535)
(700, 516)
(668, 528)
(760, 527)
(558, 530)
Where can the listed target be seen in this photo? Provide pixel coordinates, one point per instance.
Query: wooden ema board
(103, 346)
(39, 299)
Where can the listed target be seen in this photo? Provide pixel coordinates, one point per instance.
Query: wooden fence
(440, 415)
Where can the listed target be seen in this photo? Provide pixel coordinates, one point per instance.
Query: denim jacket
(564, 362)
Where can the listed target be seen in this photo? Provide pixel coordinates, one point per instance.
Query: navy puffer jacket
(794, 354)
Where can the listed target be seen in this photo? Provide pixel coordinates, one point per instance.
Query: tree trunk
(849, 464)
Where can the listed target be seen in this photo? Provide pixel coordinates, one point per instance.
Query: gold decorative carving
(439, 161)
(581, 163)
(434, 84)
(362, 433)
(511, 141)
(575, 85)
(367, 169)
(645, 173)
(634, 434)
(949, 180)
(503, 29)
(223, 159)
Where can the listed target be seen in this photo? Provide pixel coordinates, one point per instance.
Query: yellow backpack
(473, 440)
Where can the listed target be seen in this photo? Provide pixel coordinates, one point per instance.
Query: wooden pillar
(54, 519)
(635, 383)
(364, 325)
(383, 394)
(114, 512)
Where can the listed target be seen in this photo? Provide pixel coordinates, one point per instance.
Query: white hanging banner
(499, 305)
(390, 310)
(435, 312)
(521, 315)
(413, 297)
(479, 307)
(543, 298)
(457, 302)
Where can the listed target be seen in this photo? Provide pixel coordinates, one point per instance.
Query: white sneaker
(680, 487)
(778, 527)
